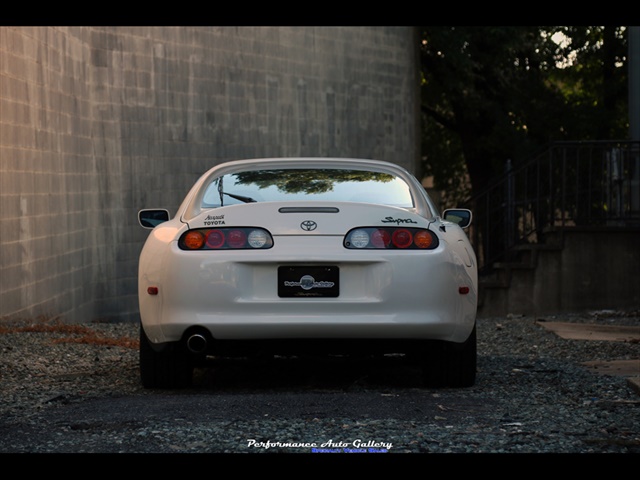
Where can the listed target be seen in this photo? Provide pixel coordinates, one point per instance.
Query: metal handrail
(571, 184)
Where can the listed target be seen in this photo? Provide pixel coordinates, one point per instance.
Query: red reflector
(463, 290)
(152, 290)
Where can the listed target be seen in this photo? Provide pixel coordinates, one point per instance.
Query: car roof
(308, 162)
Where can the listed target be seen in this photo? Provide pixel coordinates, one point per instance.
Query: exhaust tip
(197, 343)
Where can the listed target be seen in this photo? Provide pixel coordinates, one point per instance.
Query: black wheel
(172, 368)
(448, 364)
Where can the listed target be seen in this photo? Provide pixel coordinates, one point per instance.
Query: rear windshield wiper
(240, 197)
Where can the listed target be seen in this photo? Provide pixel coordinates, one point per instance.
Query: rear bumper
(383, 296)
(299, 326)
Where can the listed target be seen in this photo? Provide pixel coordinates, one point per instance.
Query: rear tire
(172, 368)
(448, 364)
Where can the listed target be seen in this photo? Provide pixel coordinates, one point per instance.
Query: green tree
(490, 94)
(595, 85)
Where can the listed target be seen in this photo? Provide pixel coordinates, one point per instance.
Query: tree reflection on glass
(299, 184)
(307, 181)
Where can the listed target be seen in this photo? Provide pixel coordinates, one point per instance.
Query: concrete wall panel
(98, 122)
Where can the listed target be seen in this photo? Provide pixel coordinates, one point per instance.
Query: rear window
(292, 185)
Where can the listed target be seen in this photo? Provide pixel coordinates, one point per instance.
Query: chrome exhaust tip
(197, 343)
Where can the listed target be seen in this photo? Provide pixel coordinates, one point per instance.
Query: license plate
(308, 281)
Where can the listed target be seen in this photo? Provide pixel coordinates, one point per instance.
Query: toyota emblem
(308, 225)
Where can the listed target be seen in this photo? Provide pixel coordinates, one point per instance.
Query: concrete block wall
(99, 122)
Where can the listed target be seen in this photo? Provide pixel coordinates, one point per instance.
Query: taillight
(391, 238)
(380, 238)
(193, 240)
(401, 238)
(226, 239)
(237, 239)
(424, 239)
(215, 239)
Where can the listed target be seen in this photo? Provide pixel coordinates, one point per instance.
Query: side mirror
(152, 218)
(461, 216)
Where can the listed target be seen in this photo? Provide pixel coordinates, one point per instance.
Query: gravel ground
(75, 389)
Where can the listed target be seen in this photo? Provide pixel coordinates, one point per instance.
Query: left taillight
(226, 239)
(391, 238)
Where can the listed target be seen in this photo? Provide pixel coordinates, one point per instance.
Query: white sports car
(297, 255)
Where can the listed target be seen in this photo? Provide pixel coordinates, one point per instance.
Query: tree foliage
(490, 94)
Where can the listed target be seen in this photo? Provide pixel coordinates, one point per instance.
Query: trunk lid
(307, 218)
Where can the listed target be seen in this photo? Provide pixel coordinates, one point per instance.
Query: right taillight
(402, 238)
